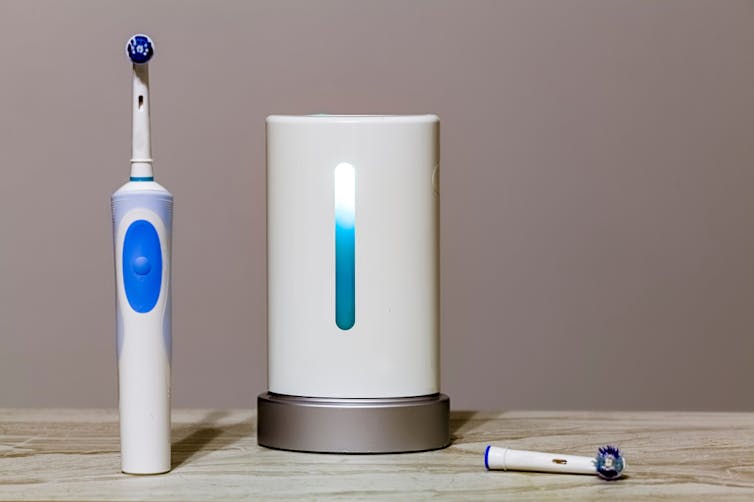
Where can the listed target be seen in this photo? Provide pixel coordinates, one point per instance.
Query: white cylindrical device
(353, 285)
(142, 222)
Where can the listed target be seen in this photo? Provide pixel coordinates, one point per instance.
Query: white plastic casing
(141, 139)
(392, 350)
(524, 460)
(144, 340)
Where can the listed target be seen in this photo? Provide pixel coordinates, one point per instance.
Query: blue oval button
(142, 266)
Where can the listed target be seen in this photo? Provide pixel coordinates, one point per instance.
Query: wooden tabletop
(73, 455)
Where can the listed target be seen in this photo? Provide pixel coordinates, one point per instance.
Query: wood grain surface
(73, 455)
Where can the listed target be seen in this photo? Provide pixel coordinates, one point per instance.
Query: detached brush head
(140, 49)
(609, 462)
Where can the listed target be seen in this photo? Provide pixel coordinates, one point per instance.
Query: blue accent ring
(142, 178)
(486, 454)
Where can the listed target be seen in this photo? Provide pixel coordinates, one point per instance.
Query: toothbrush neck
(141, 148)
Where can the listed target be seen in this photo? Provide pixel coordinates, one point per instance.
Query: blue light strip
(345, 246)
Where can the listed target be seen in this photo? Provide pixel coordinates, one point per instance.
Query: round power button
(141, 265)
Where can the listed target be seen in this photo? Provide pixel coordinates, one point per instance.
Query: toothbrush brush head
(140, 49)
(609, 463)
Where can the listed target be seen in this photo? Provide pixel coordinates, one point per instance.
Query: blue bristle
(140, 49)
(609, 462)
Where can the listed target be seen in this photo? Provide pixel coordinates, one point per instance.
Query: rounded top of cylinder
(352, 119)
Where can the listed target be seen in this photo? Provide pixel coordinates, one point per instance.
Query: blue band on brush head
(345, 246)
(142, 178)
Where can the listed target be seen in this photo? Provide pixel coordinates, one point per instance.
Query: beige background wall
(597, 190)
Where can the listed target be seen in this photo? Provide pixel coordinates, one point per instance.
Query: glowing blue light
(345, 246)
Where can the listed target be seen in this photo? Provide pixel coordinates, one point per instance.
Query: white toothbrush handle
(524, 460)
(142, 225)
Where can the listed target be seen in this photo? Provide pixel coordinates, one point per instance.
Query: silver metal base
(329, 425)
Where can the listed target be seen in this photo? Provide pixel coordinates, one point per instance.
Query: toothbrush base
(328, 425)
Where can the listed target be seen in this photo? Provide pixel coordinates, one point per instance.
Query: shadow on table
(192, 441)
(463, 423)
(198, 439)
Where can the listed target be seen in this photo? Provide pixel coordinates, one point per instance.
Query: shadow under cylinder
(353, 285)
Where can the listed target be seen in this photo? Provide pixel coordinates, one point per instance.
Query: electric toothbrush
(142, 228)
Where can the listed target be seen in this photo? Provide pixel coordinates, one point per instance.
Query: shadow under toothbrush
(206, 435)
